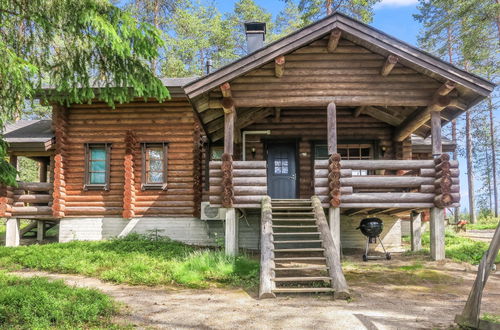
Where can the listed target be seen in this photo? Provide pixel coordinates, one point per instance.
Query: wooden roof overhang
(450, 89)
(30, 138)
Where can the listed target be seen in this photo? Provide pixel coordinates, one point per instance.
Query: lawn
(485, 223)
(458, 248)
(137, 260)
(37, 303)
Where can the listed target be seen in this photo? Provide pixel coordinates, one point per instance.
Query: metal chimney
(256, 34)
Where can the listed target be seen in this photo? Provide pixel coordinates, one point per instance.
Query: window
(154, 166)
(281, 163)
(97, 159)
(349, 151)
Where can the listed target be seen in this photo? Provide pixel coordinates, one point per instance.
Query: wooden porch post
(231, 223)
(416, 231)
(334, 177)
(437, 228)
(40, 230)
(42, 171)
(12, 232)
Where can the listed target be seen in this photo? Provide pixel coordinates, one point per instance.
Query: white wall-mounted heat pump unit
(212, 213)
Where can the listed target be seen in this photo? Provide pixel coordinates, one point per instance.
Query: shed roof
(29, 136)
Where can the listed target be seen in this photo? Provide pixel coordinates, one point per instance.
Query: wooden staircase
(296, 249)
(300, 265)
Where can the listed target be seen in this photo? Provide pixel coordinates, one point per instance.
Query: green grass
(137, 260)
(491, 318)
(37, 303)
(485, 223)
(459, 248)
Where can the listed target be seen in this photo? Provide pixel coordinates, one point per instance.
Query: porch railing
(29, 200)
(249, 183)
(408, 184)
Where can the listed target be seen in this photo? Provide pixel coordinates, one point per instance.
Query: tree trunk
(470, 169)
(498, 22)
(329, 9)
(156, 14)
(493, 157)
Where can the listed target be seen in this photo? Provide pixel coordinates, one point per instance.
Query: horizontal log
(240, 164)
(31, 210)
(387, 205)
(241, 181)
(454, 173)
(238, 199)
(35, 186)
(241, 190)
(323, 173)
(379, 164)
(388, 198)
(93, 210)
(36, 198)
(326, 190)
(240, 173)
(453, 189)
(240, 205)
(388, 181)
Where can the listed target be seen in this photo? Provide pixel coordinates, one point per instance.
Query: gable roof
(367, 36)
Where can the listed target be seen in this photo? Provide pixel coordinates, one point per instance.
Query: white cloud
(396, 3)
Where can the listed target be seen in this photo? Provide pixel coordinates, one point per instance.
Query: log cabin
(337, 116)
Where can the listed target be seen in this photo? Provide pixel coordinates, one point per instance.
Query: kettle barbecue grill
(372, 228)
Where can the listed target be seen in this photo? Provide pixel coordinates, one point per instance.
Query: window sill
(151, 186)
(96, 187)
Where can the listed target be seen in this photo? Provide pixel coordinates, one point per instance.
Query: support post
(416, 231)
(231, 232)
(334, 218)
(40, 230)
(437, 213)
(334, 177)
(437, 233)
(12, 233)
(42, 171)
(231, 223)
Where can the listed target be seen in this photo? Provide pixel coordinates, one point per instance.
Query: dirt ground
(376, 303)
(484, 235)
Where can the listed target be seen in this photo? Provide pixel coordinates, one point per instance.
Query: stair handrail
(332, 254)
(267, 264)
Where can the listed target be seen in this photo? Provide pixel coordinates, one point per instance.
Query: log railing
(332, 252)
(249, 183)
(267, 285)
(27, 200)
(408, 184)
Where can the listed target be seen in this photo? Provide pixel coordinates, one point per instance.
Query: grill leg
(383, 248)
(367, 247)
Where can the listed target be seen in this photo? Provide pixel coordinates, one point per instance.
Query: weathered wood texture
(431, 182)
(172, 122)
(249, 183)
(331, 70)
(267, 285)
(131, 144)
(6, 201)
(311, 126)
(60, 126)
(332, 252)
(30, 199)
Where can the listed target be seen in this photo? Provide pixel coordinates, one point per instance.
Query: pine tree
(74, 46)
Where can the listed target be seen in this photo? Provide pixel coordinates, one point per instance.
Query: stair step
(299, 241)
(305, 233)
(293, 219)
(303, 268)
(298, 259)
(292, 226)
(305, 207)
(302, 290)
(302, 279)
(289, 200)
(300, 250)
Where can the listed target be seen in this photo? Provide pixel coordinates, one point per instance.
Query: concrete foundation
(12, 232)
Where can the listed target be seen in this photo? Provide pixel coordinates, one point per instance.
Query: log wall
(172, 122)
(308, 127)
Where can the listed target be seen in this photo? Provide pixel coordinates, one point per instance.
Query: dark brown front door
(281, 170)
